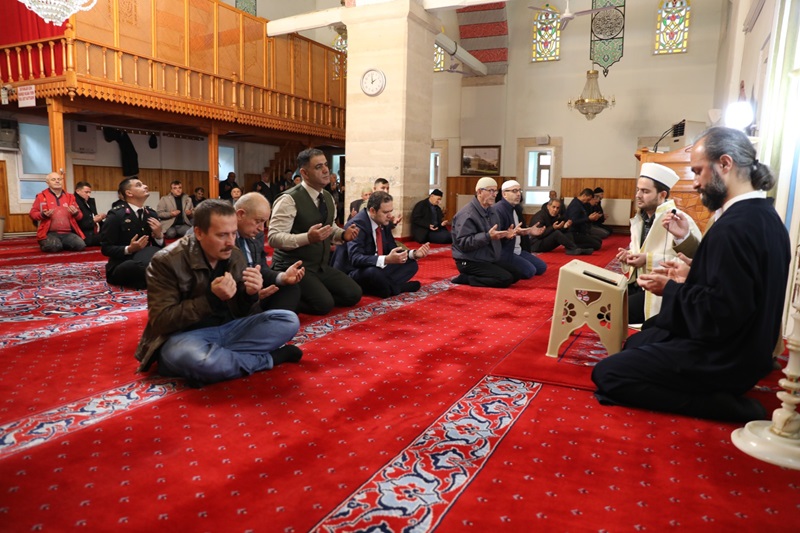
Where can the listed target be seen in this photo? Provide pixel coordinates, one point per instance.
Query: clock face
(373, 82)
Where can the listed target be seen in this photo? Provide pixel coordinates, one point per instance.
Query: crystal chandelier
(591, 102)
(57, 11)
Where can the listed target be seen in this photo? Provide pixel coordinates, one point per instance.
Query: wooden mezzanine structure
(195, 68)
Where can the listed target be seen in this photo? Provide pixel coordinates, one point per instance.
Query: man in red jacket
(57, 214)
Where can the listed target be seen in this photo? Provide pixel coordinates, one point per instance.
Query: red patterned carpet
(395, 420)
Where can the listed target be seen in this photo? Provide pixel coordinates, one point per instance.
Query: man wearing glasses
(509, 214)
(476, 241)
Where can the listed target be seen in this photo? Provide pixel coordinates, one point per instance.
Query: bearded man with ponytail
(714, 337)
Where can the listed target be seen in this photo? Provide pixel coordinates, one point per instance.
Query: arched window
(340, 66)
(672, 27)
(438, 58)
(546, 35)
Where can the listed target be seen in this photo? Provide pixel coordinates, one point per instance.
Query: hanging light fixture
(591, 102)
(58, 11)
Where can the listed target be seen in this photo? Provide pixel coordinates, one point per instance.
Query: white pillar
(389, 135)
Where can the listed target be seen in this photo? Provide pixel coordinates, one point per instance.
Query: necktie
(246, 251)
(140, 213)
(323, 208)
(378, 241)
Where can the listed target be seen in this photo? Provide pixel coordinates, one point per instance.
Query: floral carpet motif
(79, 300)
(42, 427)
(41, 300)
(414, 491)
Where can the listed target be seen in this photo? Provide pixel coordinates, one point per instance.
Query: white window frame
(526, 187)
(435, 169)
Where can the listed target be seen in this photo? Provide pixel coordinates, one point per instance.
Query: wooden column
(55, 118)
(213, 162)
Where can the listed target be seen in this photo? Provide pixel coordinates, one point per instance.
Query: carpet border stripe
(415, 490)
(39, 428)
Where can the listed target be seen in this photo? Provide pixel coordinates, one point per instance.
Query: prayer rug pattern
(42, 300)
(415, 489)
(21, 434)
(570, 464)
(43, 427)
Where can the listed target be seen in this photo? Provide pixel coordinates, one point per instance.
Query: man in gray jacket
(476, 241)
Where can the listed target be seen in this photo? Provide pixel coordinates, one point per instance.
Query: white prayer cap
(510, 184)
(485, 183)
(659, 173)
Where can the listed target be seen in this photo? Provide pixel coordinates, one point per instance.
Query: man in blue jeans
(200, 296)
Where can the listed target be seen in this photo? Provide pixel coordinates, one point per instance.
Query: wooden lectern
(686, 198)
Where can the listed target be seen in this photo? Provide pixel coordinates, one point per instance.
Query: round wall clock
(373, 82)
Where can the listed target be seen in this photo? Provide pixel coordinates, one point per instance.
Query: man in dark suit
(264, 188)
(252, 213)
(131, 236)
(90, 223)
(227, 185)
(281, 184)
(597, 207)
(427, 220)
(373, 258)
(578, 215)
(358, 203)
(199, 196)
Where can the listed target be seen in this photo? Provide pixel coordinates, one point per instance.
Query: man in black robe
(714, 337)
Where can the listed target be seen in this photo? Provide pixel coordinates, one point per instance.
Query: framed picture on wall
(480, 160)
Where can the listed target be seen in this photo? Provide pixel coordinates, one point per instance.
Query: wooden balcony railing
(213, 62)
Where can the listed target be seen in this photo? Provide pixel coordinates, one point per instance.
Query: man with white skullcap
(651, 243)
(512, 255)
(476, 241)
(716, 332)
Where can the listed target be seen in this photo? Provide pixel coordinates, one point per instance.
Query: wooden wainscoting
(624, 188)
(686, 198)
(613, 189)
(457, 185)
(156, 179)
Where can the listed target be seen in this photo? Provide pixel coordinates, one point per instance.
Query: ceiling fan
(568, 15)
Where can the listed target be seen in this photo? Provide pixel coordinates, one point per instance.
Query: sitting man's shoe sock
(588, 251)
(574, 251)
(288, 353)
(193, 383)
(410, 286)
(461, 279)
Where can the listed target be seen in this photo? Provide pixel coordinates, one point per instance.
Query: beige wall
(653, 92)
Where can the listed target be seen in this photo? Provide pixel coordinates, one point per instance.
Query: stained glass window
(340, 62)
(248, 6)
(546, 35)
(438, 58)
(672, 27)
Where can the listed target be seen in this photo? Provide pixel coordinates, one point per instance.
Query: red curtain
(21, 25)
